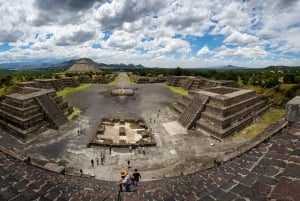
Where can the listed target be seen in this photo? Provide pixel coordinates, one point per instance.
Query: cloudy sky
(163, 33)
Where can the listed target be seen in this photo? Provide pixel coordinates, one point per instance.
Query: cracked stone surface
(251, 176)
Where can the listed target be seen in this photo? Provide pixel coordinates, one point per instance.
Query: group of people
(127, 180)
(102, 158)
(139, 150)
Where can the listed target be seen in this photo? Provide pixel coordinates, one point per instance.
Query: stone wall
(293, 110)
(196, 83)
(23, 114)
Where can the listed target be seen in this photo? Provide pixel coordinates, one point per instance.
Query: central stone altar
(122, 92)
(123, 133)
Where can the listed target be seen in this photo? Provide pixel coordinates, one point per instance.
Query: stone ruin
(28, 110)
(145, 80)
(123, 133)
(219, 111)
(122, 92)
(54, 84)
(194, 83)
(293, 110)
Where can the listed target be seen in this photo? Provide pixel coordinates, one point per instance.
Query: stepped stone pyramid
(195, 83)
(84, 65)
(220, 111)
(28, 110)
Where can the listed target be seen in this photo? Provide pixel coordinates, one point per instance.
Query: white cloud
(247, 52)
(121, 40)
(239, 38)
(204, 50)
(259, 31)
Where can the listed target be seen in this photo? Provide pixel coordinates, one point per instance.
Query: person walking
(130, 149)
(110, 149)
(128, 163)
(144, 152)
(137, 176)
(127, 182)
(92, 162)
(102, 159)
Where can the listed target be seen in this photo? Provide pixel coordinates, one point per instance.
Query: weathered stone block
(293, 109)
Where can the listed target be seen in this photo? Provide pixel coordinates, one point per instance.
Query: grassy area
(115, 81)
(6, 90)
(76, 112)
(69, 90)
(271, 116)
(129, 80)
(178, 90)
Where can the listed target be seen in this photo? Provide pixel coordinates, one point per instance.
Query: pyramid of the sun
(84, 65)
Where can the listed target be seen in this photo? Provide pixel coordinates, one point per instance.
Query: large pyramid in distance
(84, 65)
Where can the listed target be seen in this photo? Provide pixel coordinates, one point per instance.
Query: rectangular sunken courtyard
(123, 133)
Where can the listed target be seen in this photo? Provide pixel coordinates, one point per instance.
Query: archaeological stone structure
(122, 92)
(145, 80)
(219, 111)
(84, 65)
(194, 83)
(293, 110)
(123, 133)
(28, 110)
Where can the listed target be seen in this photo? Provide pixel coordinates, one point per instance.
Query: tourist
(122, 180)
(78, 132)
(144, 152)
(130, 149)
(137, 176)
(102, 159)
(81, 172)
(127, 182)
(97, 161)
(128, 163)
(92, 162)
(110, 149)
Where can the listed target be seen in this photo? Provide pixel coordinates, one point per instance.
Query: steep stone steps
(56, 116)
(192, 111)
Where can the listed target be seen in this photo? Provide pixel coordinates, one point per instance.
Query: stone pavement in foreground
(270, 171)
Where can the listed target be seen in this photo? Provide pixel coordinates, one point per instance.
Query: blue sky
(155, 33)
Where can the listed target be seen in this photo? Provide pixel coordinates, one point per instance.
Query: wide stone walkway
(270, 171)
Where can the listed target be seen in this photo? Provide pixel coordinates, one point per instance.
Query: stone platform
(269, 171)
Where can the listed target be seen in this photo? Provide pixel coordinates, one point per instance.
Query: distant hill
(281, 67)
(228, 67)
(121, 66)
(64, 65)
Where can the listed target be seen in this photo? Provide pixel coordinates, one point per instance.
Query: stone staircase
(58, 85)
(192, 111)
(55, 115)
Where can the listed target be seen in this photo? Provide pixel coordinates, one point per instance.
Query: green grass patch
(76, 112)
(271, 116)
(129, 80)
(178, 90)
(69, 90)
(115, 81)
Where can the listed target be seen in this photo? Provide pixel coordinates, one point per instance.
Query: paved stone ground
(177, 151)
(270, 171)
